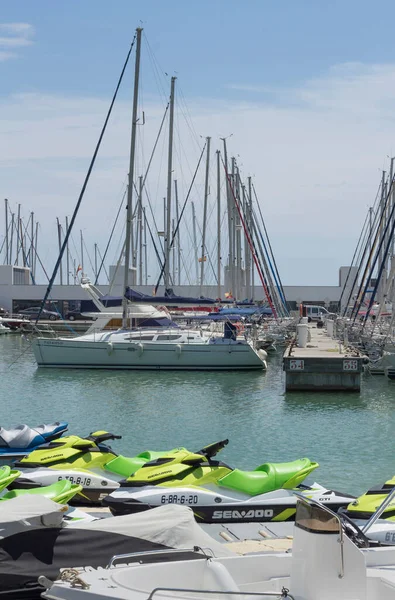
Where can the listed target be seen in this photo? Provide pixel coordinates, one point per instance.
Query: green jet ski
(60, 491)
(218, 493)
(364, 506)
(88, 462)
(7, 476)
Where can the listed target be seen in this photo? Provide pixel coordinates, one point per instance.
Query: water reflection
(323, 401)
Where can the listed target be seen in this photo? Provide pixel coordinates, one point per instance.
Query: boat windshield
(316, 519)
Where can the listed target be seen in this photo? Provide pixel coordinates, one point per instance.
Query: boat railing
(206, 552)
(379, 511)
(283, 594)
(41, 330)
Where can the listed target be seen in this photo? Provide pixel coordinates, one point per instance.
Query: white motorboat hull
(328, 561)
(221, 355)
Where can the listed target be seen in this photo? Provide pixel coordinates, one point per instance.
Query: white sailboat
(137, 348)
(148, 349)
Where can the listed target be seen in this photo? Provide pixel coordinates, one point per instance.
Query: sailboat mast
(169, 176)
(7, 256)
(12, 235)
(178, 236)
(145, 249)
(238, 227)
(95, 248)
(82, 252)
(22, 243)
(247, 251)
(67, 253)
(203, 255)
(392, 199)
(31, 242)
(250, 218)
(218, 224)
(131, 175)
(60, 246)
(18, 241)
(383, 206)
(140, 230)
(35, 251)
(231, 281)
(195, 243)
(173, 228)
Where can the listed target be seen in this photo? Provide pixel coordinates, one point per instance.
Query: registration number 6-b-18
(179, 499)
(85, 481)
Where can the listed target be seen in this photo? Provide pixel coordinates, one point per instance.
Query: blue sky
(78, 46)
(306, 87)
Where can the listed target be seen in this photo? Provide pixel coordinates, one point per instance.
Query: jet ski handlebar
(213, 449)
(103, 436)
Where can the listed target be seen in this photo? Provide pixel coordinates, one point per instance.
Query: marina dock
(322, 364)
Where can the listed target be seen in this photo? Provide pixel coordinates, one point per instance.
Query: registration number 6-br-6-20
(179, 499)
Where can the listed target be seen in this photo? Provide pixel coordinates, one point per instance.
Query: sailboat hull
(62, 353)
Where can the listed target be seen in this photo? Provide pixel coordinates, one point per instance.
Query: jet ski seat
(122, 465)
(268, 477)
(50, 429)
(23, 436)
(125, 466)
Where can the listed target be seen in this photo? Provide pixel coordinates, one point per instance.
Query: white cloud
(17, 28)
(6, 55)
(14, 35)
(14, 42)
(315, 152)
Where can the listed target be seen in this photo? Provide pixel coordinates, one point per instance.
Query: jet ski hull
(96, 486)
(214, 507)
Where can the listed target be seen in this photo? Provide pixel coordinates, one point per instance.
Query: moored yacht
(164, 348)
(150, 341)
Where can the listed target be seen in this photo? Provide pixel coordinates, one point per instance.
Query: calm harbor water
(350, 435)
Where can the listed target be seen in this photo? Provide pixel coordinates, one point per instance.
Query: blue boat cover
(169, 298)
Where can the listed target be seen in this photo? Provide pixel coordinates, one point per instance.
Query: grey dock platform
(324, 364)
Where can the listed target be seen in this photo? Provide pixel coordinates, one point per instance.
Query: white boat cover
(171, 525)
(29, 506)
(29, 548)
(29, 513)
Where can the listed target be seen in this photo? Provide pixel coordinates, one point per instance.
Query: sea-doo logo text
(243, 514)
(53, 456)
(158, 474)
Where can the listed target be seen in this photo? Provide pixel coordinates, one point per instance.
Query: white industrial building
(17, 290)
